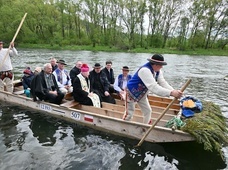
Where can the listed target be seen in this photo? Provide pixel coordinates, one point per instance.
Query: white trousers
(144, 106)
(64, 90)
(6, 84)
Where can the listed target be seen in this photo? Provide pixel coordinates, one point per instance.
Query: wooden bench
(17, 83)
(155, 108)
(69, 104)
(169, 115)
(68, 96)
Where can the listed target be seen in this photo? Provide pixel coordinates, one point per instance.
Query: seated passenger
(37, 70)
(44, 86)
(75, 70)
(81, 89)
(99, 84)
(26, 80)
(108, 70)
(53, 64)
(121, 82)
(62, 77)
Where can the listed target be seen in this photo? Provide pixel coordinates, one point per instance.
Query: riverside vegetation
(159, 26)
(209, 52)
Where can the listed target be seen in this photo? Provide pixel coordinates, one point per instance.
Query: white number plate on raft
(45, 107)
(76, 115)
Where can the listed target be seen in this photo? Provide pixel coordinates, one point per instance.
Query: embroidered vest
(135, 86)
(120, 80)
(59, 76)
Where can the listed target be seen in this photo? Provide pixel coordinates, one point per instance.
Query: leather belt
(4, 74)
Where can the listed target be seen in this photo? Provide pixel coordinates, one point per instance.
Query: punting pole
(18, 29)
(163, 113)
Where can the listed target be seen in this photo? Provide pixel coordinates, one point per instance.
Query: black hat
(157, 59)
(97, 65)
(61, 62)
(125, 68)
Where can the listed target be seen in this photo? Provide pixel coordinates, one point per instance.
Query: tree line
(126, 24)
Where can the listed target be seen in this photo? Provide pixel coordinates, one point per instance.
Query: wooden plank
(18, 87)
(137, 109)
(115, 114)
(107, 112)
(68, 96)
(155, 108)
(153, 98)
(169, 115)
(160, 104)
(69, 104)
(17, 83)
(115, 107)
(162, 99)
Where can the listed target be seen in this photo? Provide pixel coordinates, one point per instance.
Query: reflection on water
(44, 133)
(31, 140)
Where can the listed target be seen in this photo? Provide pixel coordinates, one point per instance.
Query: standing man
(121, 82)
(149, 77)
(62, 77)
(6, 74)
(75, 71)
(45, 87)
(100, 85)
(108, 70)
(53, 64)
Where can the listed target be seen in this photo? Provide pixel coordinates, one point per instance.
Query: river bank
(208, 52)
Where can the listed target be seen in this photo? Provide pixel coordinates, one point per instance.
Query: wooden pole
(163, 113)
(18, 29)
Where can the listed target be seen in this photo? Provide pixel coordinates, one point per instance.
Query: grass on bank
(210, 52)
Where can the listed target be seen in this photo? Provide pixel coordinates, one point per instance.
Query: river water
(32, 140)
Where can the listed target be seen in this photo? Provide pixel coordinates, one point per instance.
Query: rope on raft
(176, 122)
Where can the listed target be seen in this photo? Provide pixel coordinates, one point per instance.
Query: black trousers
(87, 101)
(103, 98)
(108, 99)
(56, 99)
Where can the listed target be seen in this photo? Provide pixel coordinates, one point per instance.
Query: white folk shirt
(161, 87)
(7, 65)
(116, 87)
(64, 79)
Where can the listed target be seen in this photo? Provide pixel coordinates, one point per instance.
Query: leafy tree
(126, 24)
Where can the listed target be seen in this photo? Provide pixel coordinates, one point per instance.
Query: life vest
(190, 106)
(135, 86)
(58, 71)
